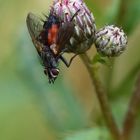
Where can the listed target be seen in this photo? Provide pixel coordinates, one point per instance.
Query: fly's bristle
(75, 15)
(45, 15)
(42, 20)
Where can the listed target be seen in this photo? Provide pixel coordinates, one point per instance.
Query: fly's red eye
(55, 72)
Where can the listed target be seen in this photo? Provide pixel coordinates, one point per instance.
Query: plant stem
(133, 109)
(110, 75)
(102, 97)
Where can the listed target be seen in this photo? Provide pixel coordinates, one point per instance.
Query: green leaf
(119, 108)
(98, 59)
(131, 15)
(89, 134)
(111, 13)
(127, 84)
(102, 60)
(94, 7)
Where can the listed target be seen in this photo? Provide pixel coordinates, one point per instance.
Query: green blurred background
(32, 109)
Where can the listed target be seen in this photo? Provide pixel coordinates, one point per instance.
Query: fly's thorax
(51, 20)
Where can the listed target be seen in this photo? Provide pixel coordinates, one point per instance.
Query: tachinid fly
(49, 38)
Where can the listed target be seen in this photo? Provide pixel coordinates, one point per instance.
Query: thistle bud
(85, 28)
(110, 41)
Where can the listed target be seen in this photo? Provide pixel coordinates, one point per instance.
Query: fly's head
(52, 74)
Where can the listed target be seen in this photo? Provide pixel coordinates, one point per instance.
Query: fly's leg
(65, 61)
(75, 15)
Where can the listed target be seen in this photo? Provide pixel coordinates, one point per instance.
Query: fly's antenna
(75, 15)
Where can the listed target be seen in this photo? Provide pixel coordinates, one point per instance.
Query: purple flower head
(85, 27)
(110, 41)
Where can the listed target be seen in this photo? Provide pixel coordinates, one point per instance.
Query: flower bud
(110, 41)
(85, 28)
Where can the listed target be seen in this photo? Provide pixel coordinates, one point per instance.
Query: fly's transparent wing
(64, 34)
(35, 26)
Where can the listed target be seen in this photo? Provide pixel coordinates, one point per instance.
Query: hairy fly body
(49, 40)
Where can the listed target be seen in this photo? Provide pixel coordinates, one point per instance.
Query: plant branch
(102, 97)
(133, 109)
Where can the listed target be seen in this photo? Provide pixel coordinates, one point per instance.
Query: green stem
(102, 97)
(133, 109)
(110, 75)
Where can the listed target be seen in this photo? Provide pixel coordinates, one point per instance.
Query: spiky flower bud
(84, 31)
(110, 41)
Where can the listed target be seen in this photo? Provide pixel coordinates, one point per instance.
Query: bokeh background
(33, 109)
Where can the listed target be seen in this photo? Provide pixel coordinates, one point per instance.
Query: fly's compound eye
(54, 72)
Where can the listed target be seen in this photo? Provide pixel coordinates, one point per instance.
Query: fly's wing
(35, 26)
(64, 34)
